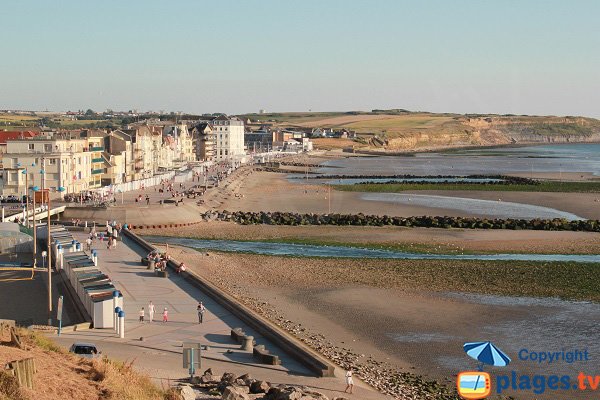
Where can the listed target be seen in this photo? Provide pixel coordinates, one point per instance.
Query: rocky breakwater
(232, 387)
(420, 179)
(294, 219)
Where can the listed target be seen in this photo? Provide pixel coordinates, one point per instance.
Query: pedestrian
(109, 242)
(349, 382)
(88, 243)
(201, 309)
(142, 312)
(151, 311)
(181, 268)
(165, 315)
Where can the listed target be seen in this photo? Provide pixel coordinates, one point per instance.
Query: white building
(67, 163)
(229, 132)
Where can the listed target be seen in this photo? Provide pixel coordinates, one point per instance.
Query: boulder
(187, 393)
(259, 387)
(234, 393)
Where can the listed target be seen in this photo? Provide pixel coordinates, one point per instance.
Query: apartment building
(67, 163)
(182, 143)
(203, 141)
(229, 132)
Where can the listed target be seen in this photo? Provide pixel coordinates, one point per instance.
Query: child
(165, 315)
(142, 315)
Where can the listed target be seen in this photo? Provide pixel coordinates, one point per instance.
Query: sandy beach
(380, 314)
(383, 313)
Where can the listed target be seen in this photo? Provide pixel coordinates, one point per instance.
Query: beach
(386, 312)
(381, 315)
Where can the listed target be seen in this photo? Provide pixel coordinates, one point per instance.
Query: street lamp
(34, 189)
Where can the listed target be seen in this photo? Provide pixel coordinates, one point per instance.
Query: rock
(208, 372)
(210, 378)
(226, 380)
(234, 393)
(187, 393)
(315, 395)
(259, 387)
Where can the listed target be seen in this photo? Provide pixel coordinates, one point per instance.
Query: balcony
(96, 148)
(97, 171)
(99, 159)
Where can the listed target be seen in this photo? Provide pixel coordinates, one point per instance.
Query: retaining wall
(290, 345)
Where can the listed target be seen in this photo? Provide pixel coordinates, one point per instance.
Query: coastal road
(156, 347)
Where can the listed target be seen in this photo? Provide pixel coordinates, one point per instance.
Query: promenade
(157, 347)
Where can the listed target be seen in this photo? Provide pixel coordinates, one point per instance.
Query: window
(15, 161)
(52, 161)
(47, 148)
(30, 146)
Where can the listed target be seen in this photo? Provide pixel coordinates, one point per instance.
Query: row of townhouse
(90, 159)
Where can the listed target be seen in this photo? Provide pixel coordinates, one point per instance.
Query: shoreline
(450, 149)
(377, 315)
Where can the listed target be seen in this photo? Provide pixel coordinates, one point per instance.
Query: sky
(479, 56)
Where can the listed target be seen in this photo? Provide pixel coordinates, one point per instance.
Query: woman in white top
(349, 382)
(151, 311)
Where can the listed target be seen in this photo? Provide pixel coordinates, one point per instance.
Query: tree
(90, 112)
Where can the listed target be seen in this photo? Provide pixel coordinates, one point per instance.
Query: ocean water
(492, 209)
(583, 158)
(304, 250)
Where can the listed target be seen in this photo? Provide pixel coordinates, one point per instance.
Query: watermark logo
(474, 385)
(477, 385)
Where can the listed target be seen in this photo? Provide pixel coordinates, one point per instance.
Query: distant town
(82, 151)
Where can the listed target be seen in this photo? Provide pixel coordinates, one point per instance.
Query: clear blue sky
(503, 56)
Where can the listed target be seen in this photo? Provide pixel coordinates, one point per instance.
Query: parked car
(87, 350)
(13, 198)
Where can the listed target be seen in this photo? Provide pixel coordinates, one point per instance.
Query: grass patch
(419, 248)
(41, 341)
(119, 381)
(9, 388)
(545, 186)
(569, 281)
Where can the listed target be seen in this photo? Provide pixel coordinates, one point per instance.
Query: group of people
(151, 311)
(160, 260)
(112, 233)
(200, 309)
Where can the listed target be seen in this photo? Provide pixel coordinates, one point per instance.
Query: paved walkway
(159, 353)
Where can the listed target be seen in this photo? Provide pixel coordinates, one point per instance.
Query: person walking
(201, 309)
(165, 315)
(151, 310)
(88, 243)
(142, 313)
(349, 382)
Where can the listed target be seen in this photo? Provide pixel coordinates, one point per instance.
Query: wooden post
(23, 371)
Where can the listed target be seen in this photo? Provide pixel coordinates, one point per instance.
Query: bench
(237, 335)
(259, 352)
(161, 274)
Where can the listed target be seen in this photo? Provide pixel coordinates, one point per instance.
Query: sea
(579, 158)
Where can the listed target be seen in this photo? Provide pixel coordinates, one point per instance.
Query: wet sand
(373, 310)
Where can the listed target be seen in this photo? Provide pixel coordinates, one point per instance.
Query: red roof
(10, 135)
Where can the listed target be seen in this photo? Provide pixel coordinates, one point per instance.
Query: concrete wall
(289, 344)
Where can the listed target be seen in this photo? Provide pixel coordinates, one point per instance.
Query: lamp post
(34, 189)
(46, 199)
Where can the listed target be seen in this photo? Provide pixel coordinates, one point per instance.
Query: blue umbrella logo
(486, 353)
